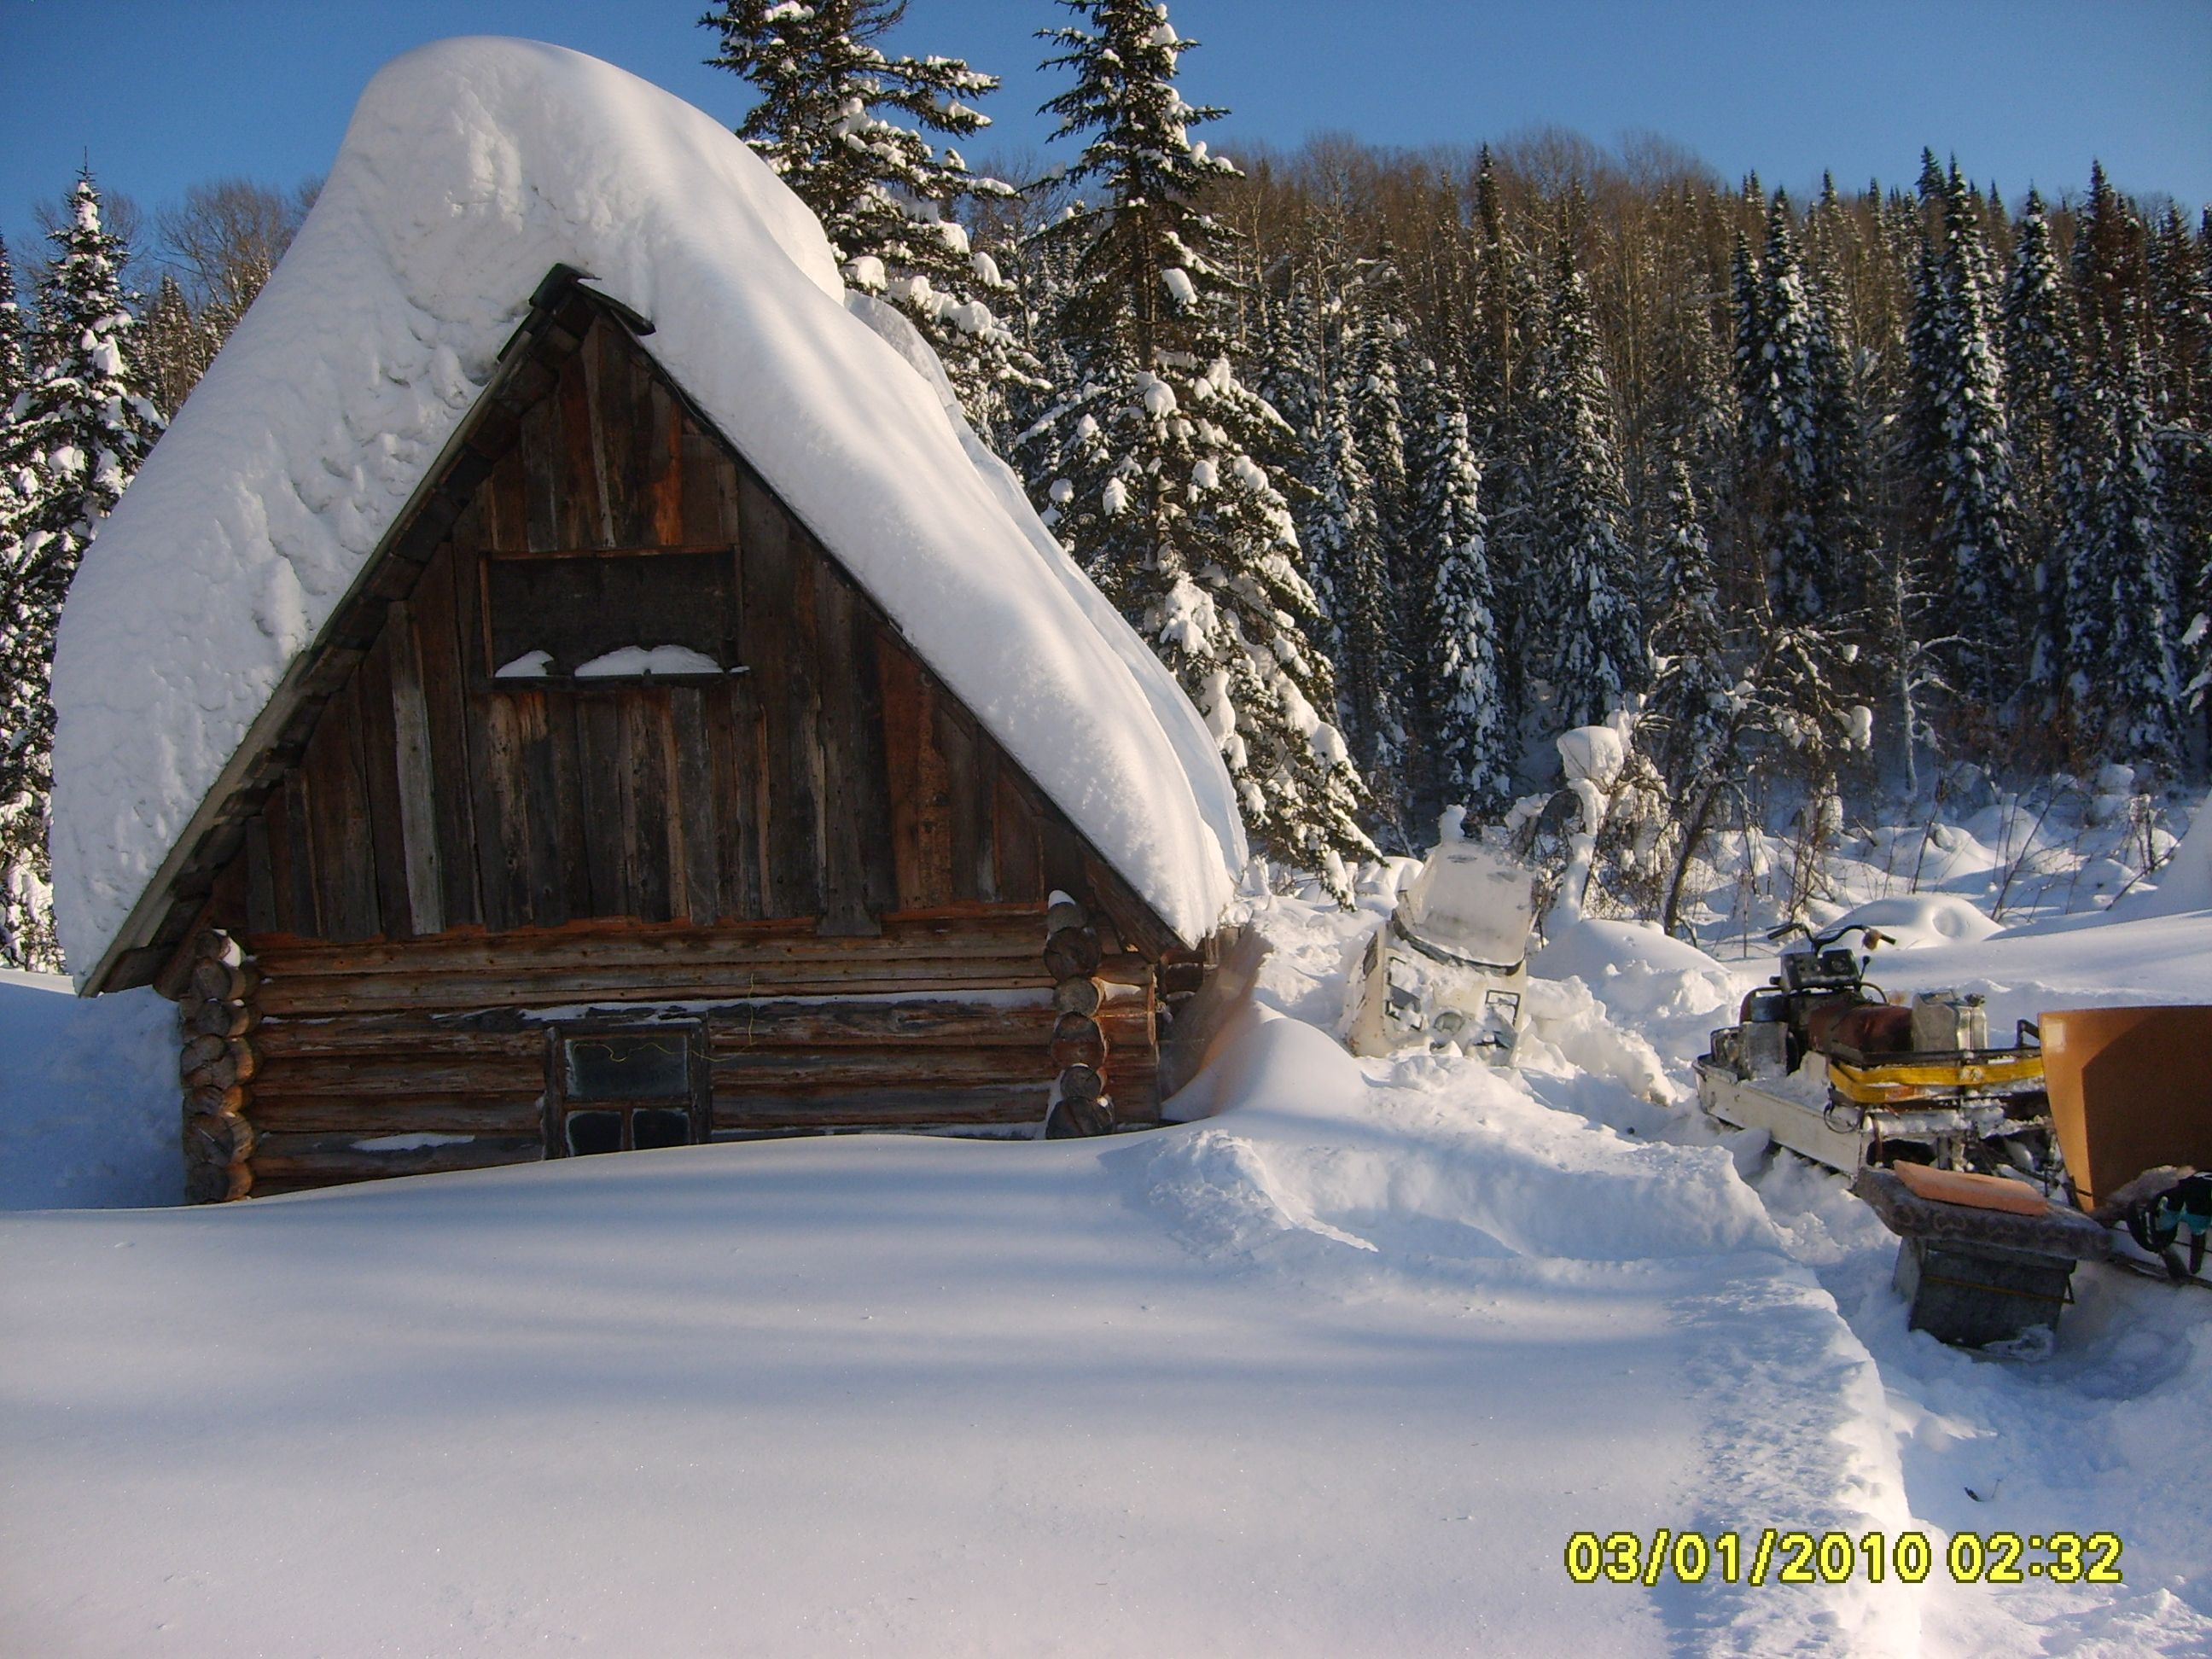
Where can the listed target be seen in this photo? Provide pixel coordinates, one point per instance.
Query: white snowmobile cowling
(1473, 902)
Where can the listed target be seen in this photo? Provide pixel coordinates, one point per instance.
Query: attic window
(623, 617)
(631, 1089)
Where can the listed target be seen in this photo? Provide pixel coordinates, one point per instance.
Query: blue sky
(162, 93)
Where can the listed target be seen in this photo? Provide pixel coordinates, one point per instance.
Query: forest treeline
(1408, 463)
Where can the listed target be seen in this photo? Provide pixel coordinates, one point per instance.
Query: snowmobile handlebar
(1870, 936)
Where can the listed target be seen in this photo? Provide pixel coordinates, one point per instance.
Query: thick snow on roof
(472, 167)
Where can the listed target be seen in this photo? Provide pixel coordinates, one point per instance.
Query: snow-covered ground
(1337, 1369)
(87, 1098)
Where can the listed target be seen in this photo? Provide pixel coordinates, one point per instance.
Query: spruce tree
(1685, 723)
(1346, 543)
(886, 196)
(1960, 442)
(1780, 482)
(1501, 340)
(1353, 462)
(1460, 716)
(1581, 576)
(82, 427)
(2181, 284)
(14, 359)
(2123, 607)
(1162, 493)
(175, 347)
(2038, 345)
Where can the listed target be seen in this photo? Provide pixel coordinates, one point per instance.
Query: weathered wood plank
(539, 448)
(774, 636)
(602, 795)
(921, 831)
(891, 1107)
(331, 1158)
(542, 723)
(384, 1035)
(363, 1116)
(734, 1028)
(505, 499)
(511, 987)
(704, 469)
(585, 520)
(344, 859)
(663, 463)
(968, 811)
(436, 609)
(645, 747)
(796, 1071)
(1014, 839)
(398, 1076)
(982, 931)
(504, 866)
(853, 796)
(698, 894)
(734, 742)
(291, 865)
(417, 797)
(260, 878)
(503, 890)
(379, 745)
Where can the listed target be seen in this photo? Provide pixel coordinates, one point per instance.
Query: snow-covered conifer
(2181, 287)
(1458, 705)
(2037, 336)
(13, 357)
(2123, 608)
(82, 426)
(1960, 439)
(1581, 578)
(175, 347)
(1779, 399)
(887, 197)
(1164, 492)
(1686, 723)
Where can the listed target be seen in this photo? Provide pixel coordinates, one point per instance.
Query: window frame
(696, 1102)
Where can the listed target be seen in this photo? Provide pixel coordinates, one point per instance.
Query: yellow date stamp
(1774, 1557)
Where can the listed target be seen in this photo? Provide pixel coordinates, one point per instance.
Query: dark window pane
(653, 1126)
(629, 1065)
(575, 609)
(594, 1132)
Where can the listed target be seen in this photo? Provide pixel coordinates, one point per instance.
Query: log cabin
(635, 787)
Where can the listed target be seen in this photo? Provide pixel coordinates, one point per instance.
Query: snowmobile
(1840, 1073)
(1449, 968)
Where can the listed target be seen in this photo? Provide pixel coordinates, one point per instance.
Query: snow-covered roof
(471, 167)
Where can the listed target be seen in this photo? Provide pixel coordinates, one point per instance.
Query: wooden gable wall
(835, 778)
(451, 851)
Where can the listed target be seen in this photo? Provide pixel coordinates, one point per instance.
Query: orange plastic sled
(2130, 1089)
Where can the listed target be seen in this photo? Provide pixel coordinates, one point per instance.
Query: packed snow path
(905, 1397)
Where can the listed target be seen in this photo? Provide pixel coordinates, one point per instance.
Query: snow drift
(472, 167)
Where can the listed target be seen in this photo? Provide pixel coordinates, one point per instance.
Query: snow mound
(1916, 921)
(2184, 881)
(87, 1098)
(1657, 989)
(1447, 1153)
(472, 166)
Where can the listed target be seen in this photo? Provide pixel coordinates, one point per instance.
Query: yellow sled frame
(1926, 1076)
